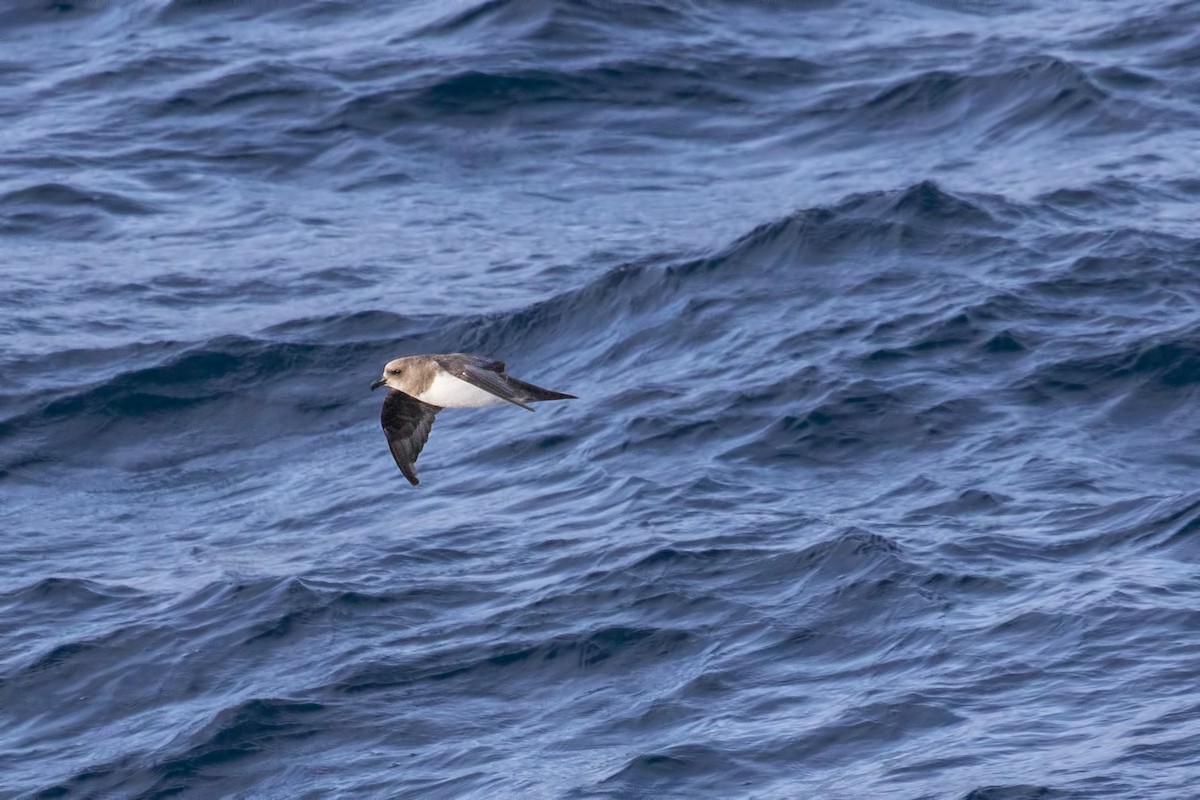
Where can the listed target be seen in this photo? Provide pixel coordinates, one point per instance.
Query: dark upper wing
(486, 374)
(406, 423)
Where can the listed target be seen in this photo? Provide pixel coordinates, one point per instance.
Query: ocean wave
(661, 304)
(71, 211)
(562, 654)
(249, 727)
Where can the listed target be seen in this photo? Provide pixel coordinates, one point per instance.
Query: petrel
(421, 386)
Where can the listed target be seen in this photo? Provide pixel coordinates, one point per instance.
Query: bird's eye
(396, 371)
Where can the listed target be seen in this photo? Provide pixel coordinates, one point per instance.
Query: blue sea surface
(884, 479)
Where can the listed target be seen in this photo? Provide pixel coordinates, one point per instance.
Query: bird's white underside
(448, 391)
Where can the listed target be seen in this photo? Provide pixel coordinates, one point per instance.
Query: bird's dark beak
(377, 384)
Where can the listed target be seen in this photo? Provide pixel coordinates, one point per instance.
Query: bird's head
(395, 375)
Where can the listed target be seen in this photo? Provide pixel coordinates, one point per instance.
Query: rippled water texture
(882, 481)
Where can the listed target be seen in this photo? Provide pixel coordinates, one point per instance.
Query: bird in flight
(421, 386)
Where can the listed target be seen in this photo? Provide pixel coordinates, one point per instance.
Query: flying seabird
(421, 386)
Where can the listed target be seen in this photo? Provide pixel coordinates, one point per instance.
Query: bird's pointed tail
(537, 393)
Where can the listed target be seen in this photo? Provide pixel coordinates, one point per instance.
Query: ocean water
(884, 479)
